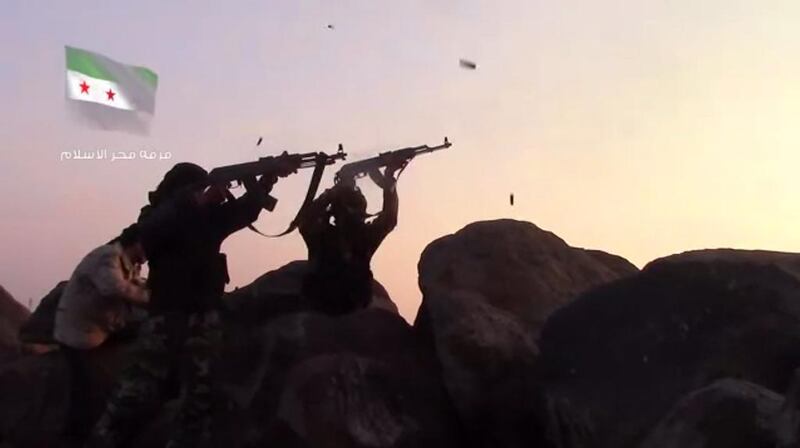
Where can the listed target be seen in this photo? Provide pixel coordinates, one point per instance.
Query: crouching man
(95, 304)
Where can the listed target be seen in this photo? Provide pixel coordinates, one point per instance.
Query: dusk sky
(641, 128)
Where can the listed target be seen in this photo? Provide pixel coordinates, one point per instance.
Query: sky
(640, 128)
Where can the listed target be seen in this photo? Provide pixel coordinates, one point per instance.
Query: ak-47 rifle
(276, 166)
(348, 173)
(270, 165)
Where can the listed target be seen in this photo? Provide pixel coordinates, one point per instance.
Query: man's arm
(108, 277)
(387, 219)
(236, 214)
(315, 217)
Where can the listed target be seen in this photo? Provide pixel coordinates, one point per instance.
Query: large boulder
(726, 414)
(786, 261)
(487, 291)
(280, 291)
(361, 380)
(787, 426)
(515, 267)
(307, 380)
(625, 352)
(12, 316)
(35, 392)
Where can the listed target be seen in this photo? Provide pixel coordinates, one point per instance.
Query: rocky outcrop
(12, 316)
(280, 291)
(362, 380)
(698, 350)
(308, 380)
(487, 290)
(785, 261)
(787, 426)
(627, 351)
(35, 393)
(288, 378)
(726, 414)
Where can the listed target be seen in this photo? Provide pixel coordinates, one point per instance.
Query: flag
(109, 94)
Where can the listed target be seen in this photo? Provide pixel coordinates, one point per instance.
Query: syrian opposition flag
(109, 94)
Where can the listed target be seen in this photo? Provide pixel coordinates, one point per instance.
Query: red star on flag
(84, 87)
(110, 94)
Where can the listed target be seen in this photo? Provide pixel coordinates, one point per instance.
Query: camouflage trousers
(170, 347)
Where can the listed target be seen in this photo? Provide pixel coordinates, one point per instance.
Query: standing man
(182, 232)
(96, 303)
(341, 243)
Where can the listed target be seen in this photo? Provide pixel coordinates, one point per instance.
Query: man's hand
(285, 166)
(267, 181)
(393, 166)
(261, 189)
(250, 183)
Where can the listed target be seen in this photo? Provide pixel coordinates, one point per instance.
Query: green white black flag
(109, 94)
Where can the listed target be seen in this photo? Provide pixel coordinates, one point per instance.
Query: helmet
(129, 236)
(179, 176)
(350, 201)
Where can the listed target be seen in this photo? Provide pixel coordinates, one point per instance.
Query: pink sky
(643, 129)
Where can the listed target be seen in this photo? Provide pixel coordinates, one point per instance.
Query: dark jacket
(182, 240)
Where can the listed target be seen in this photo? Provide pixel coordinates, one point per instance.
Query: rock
(35, 393)
(12, 315)
(337, 389)
(279, 291)
(618, 266)
(786, 261)
(361, 380)
(487, 290)
(726, 414)
(787, 426)
(286, 379)
(478, 348)
(38, 328)
(308, 380)
(625, 352)
(517, 267)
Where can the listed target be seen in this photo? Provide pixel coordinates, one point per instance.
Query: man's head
(349, 207)
(180, 176)
(131, 243)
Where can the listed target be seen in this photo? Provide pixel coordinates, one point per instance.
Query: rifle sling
(316, 178)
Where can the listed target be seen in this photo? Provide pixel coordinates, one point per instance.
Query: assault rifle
(272, 165)
(279, 165)
(348, 173)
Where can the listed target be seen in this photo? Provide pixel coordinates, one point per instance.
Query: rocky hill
(521, 341)
(12, 316)
(644, 348)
